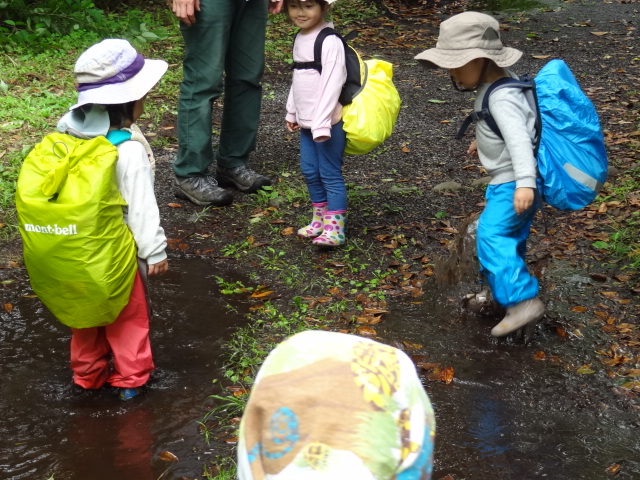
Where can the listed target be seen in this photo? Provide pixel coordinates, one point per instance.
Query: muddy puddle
(51, 429)
(505, 415)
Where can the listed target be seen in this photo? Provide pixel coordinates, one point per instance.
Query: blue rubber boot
(129, 393)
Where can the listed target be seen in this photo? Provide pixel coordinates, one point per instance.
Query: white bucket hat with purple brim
(113, 72)
(465, 37)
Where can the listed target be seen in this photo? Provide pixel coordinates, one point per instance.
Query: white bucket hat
(465, 37)
(112, 72)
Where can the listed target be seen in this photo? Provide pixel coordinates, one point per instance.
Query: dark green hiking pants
(224, 52)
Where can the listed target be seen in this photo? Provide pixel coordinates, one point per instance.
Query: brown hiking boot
(203, 191)
(243, 178)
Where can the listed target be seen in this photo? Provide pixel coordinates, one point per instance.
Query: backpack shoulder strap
(116, 137)
(317, 50)
(524, 82)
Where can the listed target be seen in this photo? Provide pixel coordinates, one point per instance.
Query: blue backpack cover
(570, 150)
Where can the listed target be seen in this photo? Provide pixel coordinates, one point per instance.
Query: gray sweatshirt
(510, 159)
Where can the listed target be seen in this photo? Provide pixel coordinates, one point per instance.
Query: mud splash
(509, 413)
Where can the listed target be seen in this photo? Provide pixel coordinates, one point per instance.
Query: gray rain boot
(521, 314)
(478, 302)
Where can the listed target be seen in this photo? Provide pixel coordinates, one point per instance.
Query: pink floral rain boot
(315, 227)
(333, 230)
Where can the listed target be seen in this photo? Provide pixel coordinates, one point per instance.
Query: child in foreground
(332, 406)
(469, 46)
(113, 83)
(313, 110)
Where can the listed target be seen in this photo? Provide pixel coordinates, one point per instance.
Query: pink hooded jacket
(313, 97)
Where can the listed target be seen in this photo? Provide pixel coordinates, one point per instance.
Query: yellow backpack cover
(79, 253)
(369, 119)
(370, 100)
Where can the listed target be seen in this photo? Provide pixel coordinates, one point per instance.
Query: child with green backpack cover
(90, 222)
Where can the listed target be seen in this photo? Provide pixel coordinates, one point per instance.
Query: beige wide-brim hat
(107, 68)
(465, 37)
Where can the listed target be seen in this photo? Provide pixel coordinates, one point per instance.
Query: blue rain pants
(501, 245)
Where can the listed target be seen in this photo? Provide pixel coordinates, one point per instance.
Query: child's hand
(523, 199)
(322, 139)
(159, 267)
(473, 149)
(292, 127)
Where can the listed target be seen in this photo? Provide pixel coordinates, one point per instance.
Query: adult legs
(206, 44)
(244, 66)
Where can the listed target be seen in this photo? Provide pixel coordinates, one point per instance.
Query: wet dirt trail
(515, 411)
(507, 413)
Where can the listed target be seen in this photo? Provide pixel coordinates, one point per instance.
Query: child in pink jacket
(313, 110)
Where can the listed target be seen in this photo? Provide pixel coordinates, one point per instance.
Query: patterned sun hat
(334, 406)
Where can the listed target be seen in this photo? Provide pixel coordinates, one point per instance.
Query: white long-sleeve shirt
(134, 174)
(313, 97)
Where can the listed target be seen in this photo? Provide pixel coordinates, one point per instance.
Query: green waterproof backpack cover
(79, 253)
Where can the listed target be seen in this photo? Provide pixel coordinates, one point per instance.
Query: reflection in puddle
(50, 427)
(506, 414)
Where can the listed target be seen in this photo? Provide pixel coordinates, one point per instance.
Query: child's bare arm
(523, 199)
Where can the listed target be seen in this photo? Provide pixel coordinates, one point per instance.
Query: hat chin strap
(483, 72)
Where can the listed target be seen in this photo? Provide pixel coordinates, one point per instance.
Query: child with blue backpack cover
(469, 46)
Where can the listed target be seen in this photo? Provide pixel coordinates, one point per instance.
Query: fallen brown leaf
(411, 346)
(366, 331)
(167, 456)
(446, 375)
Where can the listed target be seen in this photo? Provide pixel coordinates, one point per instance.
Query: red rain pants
(127, 339)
